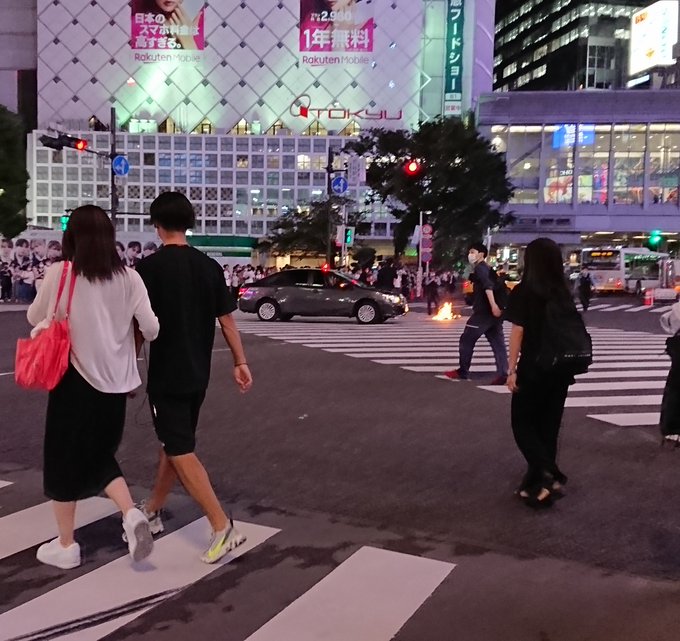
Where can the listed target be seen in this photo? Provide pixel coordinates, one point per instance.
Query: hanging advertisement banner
(336, 33)
(168, 30)
(453, 73)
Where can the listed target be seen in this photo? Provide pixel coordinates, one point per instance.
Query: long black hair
(90, 242)
(544, 271)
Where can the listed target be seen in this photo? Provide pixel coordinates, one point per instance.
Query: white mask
(472, 259)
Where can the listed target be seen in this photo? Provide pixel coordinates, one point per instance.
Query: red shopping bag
(41, 362)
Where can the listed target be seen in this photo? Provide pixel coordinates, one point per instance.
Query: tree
(461, 180)
(363, 255)
(306, 231)
(13, 175)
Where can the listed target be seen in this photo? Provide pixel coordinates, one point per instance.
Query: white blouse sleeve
(42, 306)
(141, 308)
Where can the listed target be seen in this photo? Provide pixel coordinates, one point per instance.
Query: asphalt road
(339, 453)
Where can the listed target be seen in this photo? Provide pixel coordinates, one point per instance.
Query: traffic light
(655, 238)
(64, 222)
(412, 168)
(349, 236)
(64, 140)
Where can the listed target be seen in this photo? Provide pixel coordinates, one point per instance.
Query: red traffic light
(412, 168)
(81, 145)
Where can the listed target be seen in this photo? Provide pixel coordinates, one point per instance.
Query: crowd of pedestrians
(22, 267)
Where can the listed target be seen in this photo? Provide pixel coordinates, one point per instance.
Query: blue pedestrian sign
(120, 166)
(339, 185)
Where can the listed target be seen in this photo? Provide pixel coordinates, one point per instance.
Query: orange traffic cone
(649, 297)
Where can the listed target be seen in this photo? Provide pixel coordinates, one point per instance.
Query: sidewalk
(12, 307)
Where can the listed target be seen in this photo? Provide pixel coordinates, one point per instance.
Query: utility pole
(114, 187)
(329, 192)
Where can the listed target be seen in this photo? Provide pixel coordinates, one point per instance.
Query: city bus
(624, 270)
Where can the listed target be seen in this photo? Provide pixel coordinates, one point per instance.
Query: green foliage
(463, 181)
(306, 232)
(13, 175)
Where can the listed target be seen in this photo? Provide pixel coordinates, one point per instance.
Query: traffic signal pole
(329, 193)
(114, 187)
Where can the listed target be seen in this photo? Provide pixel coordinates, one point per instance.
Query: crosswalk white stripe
(592, 308)
(661, 310)
(618, 308)
(5, 483)
(639, 308)
(592, 401)
(369, 596)
(611, 386)
(632, 419)
(173, 565)
(626, 365)
(24, 529)
(650, 373)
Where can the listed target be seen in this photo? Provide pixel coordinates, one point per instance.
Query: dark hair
(89, 241)
(172, 211)
(120, 246)
(543, 270)
(480, 247)
(21, 242)
(150, 245)
(54, 244)
(8, 242)
(135, 244)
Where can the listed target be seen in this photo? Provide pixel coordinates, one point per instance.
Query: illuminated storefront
(587, 164)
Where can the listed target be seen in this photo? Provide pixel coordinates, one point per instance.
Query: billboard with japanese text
(167, 30)
(453, 80)
(336, 32)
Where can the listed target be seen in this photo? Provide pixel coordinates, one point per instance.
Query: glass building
(585, 166)
(562, 44)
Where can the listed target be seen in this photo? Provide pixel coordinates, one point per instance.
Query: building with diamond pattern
(238, 107)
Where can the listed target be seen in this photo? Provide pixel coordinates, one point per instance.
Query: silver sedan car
(318, 292)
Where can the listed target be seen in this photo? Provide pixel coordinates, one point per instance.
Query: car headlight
(395, 300)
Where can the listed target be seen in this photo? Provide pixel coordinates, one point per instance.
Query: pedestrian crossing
(627, 308)
(628, 373)
(369, 595)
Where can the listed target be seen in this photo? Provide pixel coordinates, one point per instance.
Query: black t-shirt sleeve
(224, 301)
(517, 311)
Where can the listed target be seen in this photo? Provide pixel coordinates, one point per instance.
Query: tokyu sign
(302, 107)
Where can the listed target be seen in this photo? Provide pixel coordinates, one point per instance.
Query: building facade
(588, 167)
(562, 44)
(240, 110)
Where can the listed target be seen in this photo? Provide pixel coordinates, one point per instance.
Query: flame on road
(445, 313)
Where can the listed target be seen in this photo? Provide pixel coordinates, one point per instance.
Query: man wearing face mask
(485, 320)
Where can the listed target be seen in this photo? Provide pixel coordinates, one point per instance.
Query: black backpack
(566, 346)
(501, 292)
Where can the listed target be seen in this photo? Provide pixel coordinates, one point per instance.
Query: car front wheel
(367, 313)
(268, 310)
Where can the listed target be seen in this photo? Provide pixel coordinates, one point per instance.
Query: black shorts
(175, 417)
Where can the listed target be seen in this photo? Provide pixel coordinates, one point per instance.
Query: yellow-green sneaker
(223, 542)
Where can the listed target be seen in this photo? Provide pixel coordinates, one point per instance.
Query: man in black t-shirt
(187, 292)
(486, 320)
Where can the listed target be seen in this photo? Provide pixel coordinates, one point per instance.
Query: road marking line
(24, 529)
(369, 596)
(5, 484)
(95, 604)
(6, 373)
(661, 310)
(616, 386)
(617, 308)
(594, 307)
(639, 309)
(629, 420)
(442, 368)
(626, 365)
(653, 373)
(612, 401)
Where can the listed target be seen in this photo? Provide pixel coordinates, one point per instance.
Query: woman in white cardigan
(86, 411)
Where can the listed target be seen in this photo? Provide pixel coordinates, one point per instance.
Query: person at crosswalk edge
(541, 309)
(486, 320)
(187, 292)
(669, 419)
(585, 288)
(86, 411)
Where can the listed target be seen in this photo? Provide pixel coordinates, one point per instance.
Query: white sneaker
(223, 542)
(155, 521)
(138, 534)
(54, 553)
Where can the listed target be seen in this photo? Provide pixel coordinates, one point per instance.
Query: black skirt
(83, 430)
